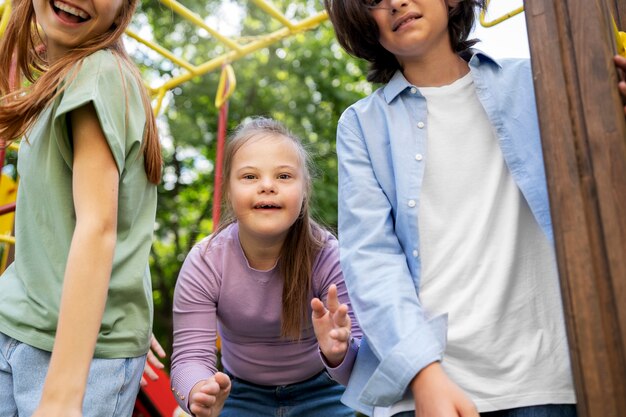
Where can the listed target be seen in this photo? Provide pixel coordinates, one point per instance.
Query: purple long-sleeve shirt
(218, 291)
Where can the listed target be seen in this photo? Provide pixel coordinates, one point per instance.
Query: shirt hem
(47, 344)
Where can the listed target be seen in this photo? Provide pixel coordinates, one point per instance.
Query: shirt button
(419, 157)
(411, 203)
(415, 253)
(420, 125)
(413, 90)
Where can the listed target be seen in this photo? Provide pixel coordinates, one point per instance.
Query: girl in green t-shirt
(75, 306)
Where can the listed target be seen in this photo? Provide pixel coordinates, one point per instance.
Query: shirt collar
(398, 83)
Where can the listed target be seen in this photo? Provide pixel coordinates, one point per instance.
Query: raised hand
(207, 397)
(332, 327)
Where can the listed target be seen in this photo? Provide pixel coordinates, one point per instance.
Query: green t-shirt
(30, 289)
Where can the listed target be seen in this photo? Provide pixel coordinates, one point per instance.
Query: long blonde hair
(304, 239)
(21, 46)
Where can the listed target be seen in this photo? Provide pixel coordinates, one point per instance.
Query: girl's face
(266, 187)
(412, 29)
(70, 23)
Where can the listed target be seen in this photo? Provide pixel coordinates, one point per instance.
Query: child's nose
(267, 185)
(396, 5)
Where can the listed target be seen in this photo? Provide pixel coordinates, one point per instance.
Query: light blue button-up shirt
(381, 146)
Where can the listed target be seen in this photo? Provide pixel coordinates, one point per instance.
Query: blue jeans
(550, 410)
(315, 397)
(112, 384)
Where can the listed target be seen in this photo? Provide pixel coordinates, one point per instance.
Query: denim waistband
(243, 381)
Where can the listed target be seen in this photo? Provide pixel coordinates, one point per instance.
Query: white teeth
(71, 10)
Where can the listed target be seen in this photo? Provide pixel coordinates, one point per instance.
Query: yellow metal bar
(159, 49)
(5, 8)
(223, 93)
(274, 12)
(197, 20)
(7, 239)
(488, 24)
(160, 96)
(249, 48)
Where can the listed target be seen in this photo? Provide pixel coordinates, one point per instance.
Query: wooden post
(584, 141)
(619, 10)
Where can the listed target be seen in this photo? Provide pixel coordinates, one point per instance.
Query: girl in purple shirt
(258, 281)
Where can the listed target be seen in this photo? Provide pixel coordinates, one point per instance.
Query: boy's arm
(88, 269)
(381, 287)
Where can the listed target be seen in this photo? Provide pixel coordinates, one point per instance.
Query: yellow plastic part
(223, 93)
(5, 9)
(8, 193)
(488, 24)
(620, 39)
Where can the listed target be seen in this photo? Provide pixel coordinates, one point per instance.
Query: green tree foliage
(305, 81)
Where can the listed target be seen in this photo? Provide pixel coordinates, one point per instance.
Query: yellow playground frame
(235, 49)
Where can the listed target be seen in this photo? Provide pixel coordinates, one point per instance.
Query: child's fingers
(340, 335)
(156, 347)
(341, 317)
(150, 373)
(223, 381)
(332, 301)
(201, 404)
(318, 308)
(151, 359)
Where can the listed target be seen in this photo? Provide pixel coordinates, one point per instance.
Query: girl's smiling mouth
(69, 13)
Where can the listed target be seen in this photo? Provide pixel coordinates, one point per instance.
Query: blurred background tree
(304, 81)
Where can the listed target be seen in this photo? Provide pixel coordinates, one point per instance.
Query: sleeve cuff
(391, 378)
(341, 373)
(183, 381)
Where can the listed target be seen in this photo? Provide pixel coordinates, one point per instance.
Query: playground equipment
(154, 401)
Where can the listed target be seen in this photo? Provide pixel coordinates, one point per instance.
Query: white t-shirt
(487, 264)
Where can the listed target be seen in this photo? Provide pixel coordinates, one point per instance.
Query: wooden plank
(584, 139)
(619, 10)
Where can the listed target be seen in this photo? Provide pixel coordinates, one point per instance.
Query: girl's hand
(620, 63)
(155, 349)
(332, 327)
(207, 397)
(436, 395)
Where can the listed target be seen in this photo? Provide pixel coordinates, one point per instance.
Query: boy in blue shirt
(444, 224)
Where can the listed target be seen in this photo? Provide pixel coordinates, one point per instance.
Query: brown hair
(21, 46)
(357, 33)
(304, 239)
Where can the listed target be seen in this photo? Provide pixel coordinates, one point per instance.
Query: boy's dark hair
(357, 33)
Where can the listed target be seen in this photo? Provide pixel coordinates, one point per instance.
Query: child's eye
(248, 177)
(284, 176)
(373, 3)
